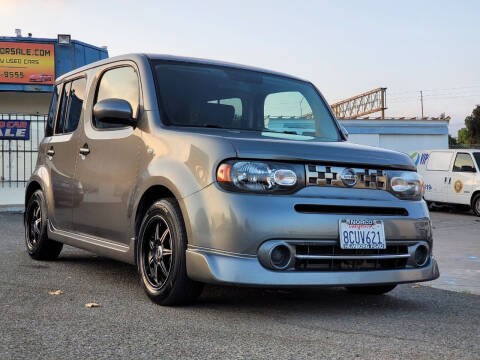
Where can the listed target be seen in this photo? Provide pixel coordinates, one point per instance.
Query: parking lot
(410, 322)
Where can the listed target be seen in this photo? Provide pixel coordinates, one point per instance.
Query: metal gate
(18, 157)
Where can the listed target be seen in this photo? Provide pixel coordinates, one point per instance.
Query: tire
(38, 245)
(476, 205)
(371, 290)
(161, 259)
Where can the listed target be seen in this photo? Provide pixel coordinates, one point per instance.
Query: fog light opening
(421, 255)
(280, 257)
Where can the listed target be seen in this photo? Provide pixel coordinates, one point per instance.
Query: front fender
(182, 162)
(41, 176)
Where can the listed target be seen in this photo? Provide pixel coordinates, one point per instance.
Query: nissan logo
(349, 177)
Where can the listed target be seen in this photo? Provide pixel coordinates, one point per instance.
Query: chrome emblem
(349, 177)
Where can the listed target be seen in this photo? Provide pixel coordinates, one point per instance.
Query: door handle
(50, 152)
(450, 180)
(84, 150)
(445, 181)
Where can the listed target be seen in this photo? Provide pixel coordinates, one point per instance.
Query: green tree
(451, 141)
(462, 137)
(472, 123)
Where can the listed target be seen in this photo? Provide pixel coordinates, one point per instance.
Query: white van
(451, 176)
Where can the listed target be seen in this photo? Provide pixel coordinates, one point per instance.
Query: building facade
(28, 69)
(29, 66)
(400, 134)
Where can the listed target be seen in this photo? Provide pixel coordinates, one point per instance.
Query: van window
(52, 112)
(118, 83)
(439, 161)
(463, 160)
(75, 104)
(63, 107)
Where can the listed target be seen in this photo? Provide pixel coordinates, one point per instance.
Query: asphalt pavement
(457, 248)
(412, 321)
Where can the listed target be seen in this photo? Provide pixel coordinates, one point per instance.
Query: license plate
(362, 234)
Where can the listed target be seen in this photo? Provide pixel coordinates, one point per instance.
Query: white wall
(365, 139)
(403, 135)
(409, 143)
(12, 195)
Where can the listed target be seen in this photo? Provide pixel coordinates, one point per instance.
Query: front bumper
(226, 230)
(218, 268)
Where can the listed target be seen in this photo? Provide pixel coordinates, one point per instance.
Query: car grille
(330, 257)
(322, 175)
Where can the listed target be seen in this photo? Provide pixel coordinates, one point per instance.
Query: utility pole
(421, 101)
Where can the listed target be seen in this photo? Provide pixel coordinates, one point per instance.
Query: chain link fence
(463, 146)
(18, 157)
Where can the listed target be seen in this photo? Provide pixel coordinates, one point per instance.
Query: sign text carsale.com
(27, 63)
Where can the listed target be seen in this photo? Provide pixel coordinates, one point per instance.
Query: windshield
(476, 155)
(222, 97)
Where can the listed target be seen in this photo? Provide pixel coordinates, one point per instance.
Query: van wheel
(161, 259)
(371, 290)
(39, 246)
(476, 204)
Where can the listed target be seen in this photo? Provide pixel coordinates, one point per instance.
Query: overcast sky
(343, 47)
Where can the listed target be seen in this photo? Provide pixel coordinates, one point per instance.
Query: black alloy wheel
(33, 224)
(157, 256)
(161, 255)
(38, 245)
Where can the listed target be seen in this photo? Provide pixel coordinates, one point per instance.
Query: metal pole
(383, 103)
(421, 101)
(9, 162)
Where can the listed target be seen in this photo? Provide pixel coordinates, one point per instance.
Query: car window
(439, 161)
(288, 111)
(75, 104)
(463, 161)
(118, 83)
(52, 111)
(59, 128)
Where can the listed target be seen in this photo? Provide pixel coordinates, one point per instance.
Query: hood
(286, 147)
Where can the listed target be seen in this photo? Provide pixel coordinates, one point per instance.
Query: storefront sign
(15, 130)
(27, 63)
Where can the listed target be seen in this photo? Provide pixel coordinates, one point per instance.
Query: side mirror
(114, 111)
(468, 168)
(344, 132)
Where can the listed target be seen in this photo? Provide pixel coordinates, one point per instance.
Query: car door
(436, 175)
(61, 150)
(108, 158)
(462, 179)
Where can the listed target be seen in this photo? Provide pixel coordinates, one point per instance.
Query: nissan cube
(200, 171)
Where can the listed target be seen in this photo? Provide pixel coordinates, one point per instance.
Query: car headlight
(406, 185)
(260, 176)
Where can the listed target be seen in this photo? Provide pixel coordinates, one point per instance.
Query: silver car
(199, 171)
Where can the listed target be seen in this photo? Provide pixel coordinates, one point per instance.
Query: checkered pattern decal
(319, 175)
